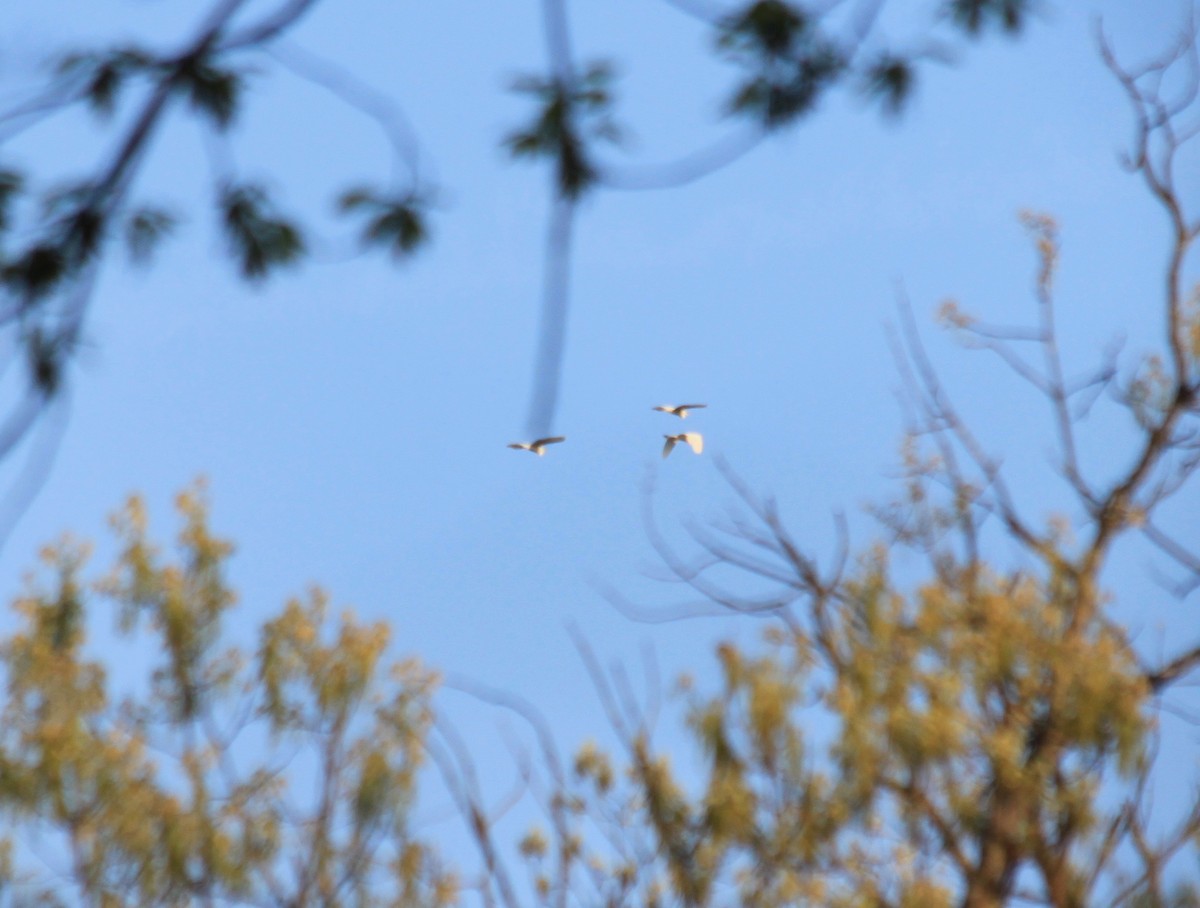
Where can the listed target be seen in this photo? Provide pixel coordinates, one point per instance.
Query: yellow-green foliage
(194, 789)
(965, 724)
(977, 710)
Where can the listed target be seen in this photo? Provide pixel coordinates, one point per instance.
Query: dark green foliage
(44, 355)
(792, 91)
(82, 230)
(789, 53)
(210, 90)
(975, 16)
(104, 74)
(102, 89)
(767, 27)
(259, 239)
(36, 272)
(790, 62)
(792, 57)
(891, 80)
(570, 113)
(74, 237)
(145, 228)
(397, 223)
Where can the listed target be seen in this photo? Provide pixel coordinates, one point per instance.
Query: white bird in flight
(538, 447)
(681, 411)
(693, 439)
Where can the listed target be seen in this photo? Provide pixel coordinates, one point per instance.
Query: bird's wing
(669, 446)
(665, 408)
(550, 441)
(695, 440)
(692, 406)
(519, 447)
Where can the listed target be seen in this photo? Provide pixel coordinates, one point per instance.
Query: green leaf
(570, 112)
(35, 273)
(765, 27)
(104, 73)
(44, 356)
(401, 228)
(82, 231)
(790, 62)
(102, 89)
(575, 171)
(974, 16)
(890, 79)
(395, 222)
(788, 93)
(212, 91)
(78, 224)
(259, 239)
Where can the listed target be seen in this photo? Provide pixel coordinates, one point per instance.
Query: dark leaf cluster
(790, 61)
(259, 238)
(104, 74)
(792, 56)
(35, 272)
(46, 354)
(788, 89)
(890, 79)
(396, 223)
(74, 235)
(768, 28)
(76, 224)
(976, 16)
(211, 90)
(571, 111)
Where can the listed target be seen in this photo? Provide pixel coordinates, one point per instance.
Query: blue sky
(352, 418)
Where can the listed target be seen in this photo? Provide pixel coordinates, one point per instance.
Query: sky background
(352, 418)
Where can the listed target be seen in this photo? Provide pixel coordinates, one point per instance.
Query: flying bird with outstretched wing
(538, 446)
(681, 410)
(693, 440)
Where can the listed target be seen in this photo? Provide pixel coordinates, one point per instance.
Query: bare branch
(1173, 670)
(688, 169)
(1186, 558)
(547, 370)
(377, 105)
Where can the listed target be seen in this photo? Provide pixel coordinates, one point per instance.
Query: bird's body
(681, 410)
(693, 440)
(538, 446)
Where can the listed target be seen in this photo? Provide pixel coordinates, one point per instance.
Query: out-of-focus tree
(56, 229)
(283, 776)
(982, 733)
(975, 726)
